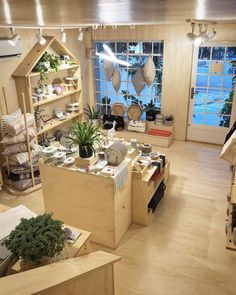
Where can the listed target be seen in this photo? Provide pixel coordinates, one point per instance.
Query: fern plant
(86, 135)
(35, 238)
(91, 113)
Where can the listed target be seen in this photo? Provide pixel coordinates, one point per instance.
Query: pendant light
(63, 36)
(41, 39)
(80, 35)
(14, 38)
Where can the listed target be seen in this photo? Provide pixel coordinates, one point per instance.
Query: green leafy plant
(150, 107)
(50, 58)
(169, 118)
(129, 97)
(86, 135)
(106, 100)
(35, 238)
(91, 113)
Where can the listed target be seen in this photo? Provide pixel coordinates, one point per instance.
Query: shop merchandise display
(15, 149)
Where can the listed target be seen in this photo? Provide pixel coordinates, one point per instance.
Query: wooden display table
(88, 201)
(87, 275)
(142, 192)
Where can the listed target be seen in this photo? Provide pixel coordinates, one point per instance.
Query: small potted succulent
(87, 136)
(169, 120)
(36, 239)
(151, 110)
(93, 115)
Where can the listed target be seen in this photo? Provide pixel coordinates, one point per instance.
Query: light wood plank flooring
(183, 250)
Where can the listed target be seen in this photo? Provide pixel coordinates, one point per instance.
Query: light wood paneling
(80, 275)
(103, 11)
(177, 62)
(182, 251)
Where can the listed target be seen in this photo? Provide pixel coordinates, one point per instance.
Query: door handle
(192, 92)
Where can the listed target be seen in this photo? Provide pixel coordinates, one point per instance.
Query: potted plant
(151, 110)
(93, 115)
(106, 108)
(36, 238)
(169, 120)
(86, 135)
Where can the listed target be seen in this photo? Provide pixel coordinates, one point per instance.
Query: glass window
(137, 54)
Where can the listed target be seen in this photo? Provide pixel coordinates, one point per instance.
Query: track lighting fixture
(202, 36)
(14, 38)
(80, 35)
(41, 39)
(63, 36)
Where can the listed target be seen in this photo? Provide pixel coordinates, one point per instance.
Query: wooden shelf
(146, 138)
(55, 123)
(142, 192)
(34, 74)
(54, 98)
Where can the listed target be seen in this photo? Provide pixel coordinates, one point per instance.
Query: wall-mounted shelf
(54, 98)
(27, 80)
(34, 74)
(52, 124)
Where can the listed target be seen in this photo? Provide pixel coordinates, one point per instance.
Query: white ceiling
(84, 12)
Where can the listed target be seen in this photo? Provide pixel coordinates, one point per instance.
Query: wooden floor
(183, 250)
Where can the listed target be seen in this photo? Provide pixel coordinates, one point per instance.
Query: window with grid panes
(214, 91)
(136, 53)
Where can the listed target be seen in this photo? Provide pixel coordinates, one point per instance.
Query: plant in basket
(93, 115)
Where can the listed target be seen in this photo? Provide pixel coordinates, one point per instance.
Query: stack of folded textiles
(15, 149)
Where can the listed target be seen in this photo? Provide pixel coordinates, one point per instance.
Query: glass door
(212, 107)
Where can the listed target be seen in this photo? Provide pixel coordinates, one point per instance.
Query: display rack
(9, 187)
(27, 80)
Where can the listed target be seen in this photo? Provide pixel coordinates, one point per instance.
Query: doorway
(212, 98)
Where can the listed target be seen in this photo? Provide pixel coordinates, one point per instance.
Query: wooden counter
(88, 201)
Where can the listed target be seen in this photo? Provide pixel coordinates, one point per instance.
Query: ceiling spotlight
(212, 34)
(63, 36)
(80, 35)
(132, 27)
(202, 36)
(191, 35)
(14, 38)
(41, 39)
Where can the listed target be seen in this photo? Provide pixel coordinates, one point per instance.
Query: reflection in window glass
(215, 81)
(198, 119)
(137, 54)
(218, 53)
(211, 120)
(229, 69)
(147, 47)
(200, 95)
(231, 53)
(203, 67)
(121, 47)
(202, 80)
(213, 94)
(158, 48)
(214, 90)
(204, 53)
(227, 82)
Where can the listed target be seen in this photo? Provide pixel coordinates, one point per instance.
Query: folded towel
(18, 125)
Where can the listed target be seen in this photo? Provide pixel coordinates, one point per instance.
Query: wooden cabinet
(143, 190)
(88, 201)
(27, 81)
